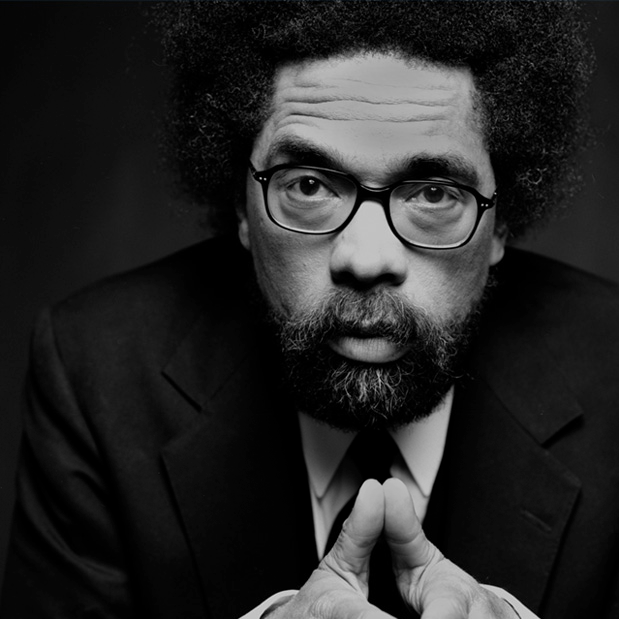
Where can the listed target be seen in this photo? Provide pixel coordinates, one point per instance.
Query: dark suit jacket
(162, 475)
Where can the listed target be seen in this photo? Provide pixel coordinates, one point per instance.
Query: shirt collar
(421, 445)
(324, 449)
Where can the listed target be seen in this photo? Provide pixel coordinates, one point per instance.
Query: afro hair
(531, 62)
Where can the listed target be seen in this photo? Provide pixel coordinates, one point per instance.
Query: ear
(497, 248)
(240, 208)
(243, 227)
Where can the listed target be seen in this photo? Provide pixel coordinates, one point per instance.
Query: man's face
(381, 119)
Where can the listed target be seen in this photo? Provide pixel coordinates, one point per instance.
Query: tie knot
(373, 453)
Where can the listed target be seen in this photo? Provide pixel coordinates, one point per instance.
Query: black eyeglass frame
(378, 194)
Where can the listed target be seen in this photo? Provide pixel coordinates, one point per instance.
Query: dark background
(82, 193)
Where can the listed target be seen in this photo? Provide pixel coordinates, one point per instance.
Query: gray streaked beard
(352, 395)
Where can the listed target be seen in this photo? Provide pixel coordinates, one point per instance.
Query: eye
(309, 186)
(433, 194)
(428, 195)
(305, 186)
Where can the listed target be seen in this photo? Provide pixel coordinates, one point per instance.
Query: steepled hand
(431, 584)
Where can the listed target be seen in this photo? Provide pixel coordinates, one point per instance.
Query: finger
(353, 548)
(443, 608)
(409, 546)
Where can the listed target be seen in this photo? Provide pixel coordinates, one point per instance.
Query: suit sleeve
(65, 556)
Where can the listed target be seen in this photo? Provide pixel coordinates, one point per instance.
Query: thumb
(411, 552)
(444, 608)
(350, 556)
(410, 548)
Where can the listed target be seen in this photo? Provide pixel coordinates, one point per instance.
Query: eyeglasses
(422, 213)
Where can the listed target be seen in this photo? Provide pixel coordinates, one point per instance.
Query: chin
(352, 396)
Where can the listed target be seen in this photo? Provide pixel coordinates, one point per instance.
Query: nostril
(364, 281)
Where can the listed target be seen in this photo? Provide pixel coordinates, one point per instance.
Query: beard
(351, 395)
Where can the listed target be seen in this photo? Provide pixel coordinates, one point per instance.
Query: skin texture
(370, 115)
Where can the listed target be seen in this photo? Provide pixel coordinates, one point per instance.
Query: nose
(366, 253)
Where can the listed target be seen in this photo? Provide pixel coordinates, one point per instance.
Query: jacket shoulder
(547, 319)
(536, 294)
(162, 298)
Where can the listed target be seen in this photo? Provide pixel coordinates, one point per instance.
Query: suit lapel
(237, 472)
(502, 501)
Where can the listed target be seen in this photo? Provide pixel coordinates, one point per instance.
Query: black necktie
(373, 453)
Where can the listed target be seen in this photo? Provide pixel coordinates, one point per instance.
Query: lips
(367, 349)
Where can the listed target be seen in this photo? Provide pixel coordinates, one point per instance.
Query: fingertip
(394, 487)
(397, 497)
(370, 502)
(402, 525)
(371, 490)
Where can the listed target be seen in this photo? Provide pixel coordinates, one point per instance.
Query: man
(198, 429)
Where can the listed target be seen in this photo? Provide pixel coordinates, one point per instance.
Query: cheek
(457, 280)
(291, 269)
(471, 273)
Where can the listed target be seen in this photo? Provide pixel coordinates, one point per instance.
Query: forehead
(371, 106)
(351, 86)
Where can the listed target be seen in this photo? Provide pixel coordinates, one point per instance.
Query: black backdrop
(82, 194)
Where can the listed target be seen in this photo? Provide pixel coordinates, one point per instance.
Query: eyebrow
(298, 150)
(451, 165)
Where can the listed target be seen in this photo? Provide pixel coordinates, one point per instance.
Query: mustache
(381, 314)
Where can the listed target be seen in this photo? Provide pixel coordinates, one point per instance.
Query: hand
(338, 587)
(429, 582)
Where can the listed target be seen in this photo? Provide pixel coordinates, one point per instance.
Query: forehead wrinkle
(369, 92)
(373, 94)
(352, 112)
(356, 110)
